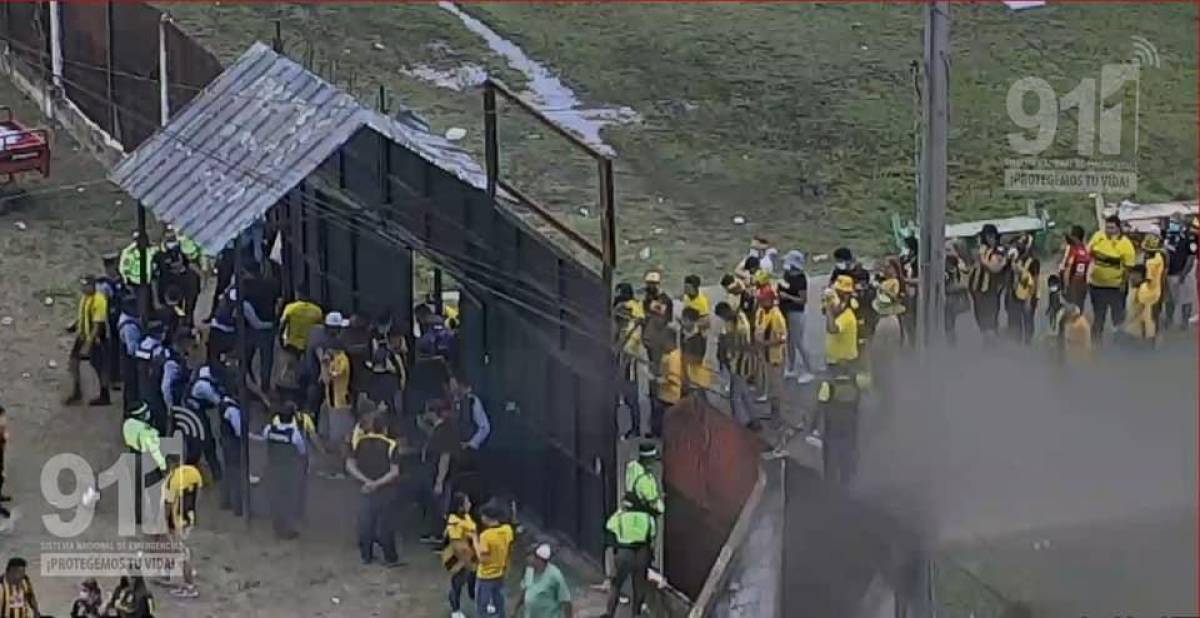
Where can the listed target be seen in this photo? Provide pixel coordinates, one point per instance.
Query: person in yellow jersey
(179, 503)
(628, 317)
(1112, 257)
(17, 599)
(631, 532)
(1155, 259)
(694, 347)
(770, 338)
(841, 323)
(458, 556)
(1022, 300)
(493, 546)
(1140, 329)
(696, 299)
(91, 342)
(296, 321)
(1074, 334)
(375, 463)
(735, 355)
(669, 380)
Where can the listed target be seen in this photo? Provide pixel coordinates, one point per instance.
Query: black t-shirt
(796, 284)
(445, 440)
(1180, 247)
(375, 455)
(263, 294)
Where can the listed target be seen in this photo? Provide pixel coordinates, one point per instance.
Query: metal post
(490, 144)
(608, 223)
(164, 90)
(143, 287)
(243, 389)
(110, 87)
(437, 291)
(56, 57)
(931, 301)
(277, 42)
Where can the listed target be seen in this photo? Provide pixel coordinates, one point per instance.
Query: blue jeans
(489, 592)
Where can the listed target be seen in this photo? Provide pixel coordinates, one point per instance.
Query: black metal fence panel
(189, 67)
(28, 34)
(135, 76)
(85, 50)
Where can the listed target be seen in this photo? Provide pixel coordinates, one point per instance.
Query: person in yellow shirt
(1021, 303)
(493, 546)
(694, 298)
(736, 355)
(694, 347)
(841, 324)
(1140, 329)
(1112, 257)
(770, 337)
(336, 412)
(298, 319)
(179, 503)
(628, 316)
(670, 380)
(1074, 334)
(1155, 259)
(458, 557)
(91, 341)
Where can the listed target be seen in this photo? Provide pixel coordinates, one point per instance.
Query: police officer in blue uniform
(287, 470)
(232, 484)
(203, 396)
(129, 334)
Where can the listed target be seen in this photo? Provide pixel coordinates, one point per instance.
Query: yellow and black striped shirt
(16, 600)
(735, 347)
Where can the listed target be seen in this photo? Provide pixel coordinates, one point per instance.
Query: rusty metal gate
(133, 41)
(710, 466)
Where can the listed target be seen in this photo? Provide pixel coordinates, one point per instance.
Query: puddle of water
(545, 90)
(458, 79)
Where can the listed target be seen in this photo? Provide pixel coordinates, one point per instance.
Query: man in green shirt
(544, 591)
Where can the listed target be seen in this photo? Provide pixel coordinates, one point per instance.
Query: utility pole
(931, 217)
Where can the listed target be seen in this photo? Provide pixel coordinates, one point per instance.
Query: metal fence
(710, 466)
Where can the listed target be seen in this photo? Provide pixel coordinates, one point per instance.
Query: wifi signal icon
(1145, 54)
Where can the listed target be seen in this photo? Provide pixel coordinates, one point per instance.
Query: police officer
(839, 397)
(148, 357)
(130, 262)
(640, 483)
(287, 470)
(229, 412)
(172, 269)
(632, 533)
(222, 332)
(113, 287)
(129, 337)
(204, 395)
(141, 438)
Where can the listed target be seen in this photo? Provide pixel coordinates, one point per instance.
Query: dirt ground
(49, 237)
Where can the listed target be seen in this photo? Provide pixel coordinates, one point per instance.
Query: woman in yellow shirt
(1156, 269)
(1140, 328)
(459, 554)
(770, 336)
(841, 324)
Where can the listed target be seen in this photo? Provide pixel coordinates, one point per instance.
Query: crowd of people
(1138, 284)
(340, 397)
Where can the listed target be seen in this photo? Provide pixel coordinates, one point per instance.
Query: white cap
(336, 320)
(543, 551)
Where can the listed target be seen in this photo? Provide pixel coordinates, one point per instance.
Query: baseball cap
(653, 277)
(336, 320)
(543, 551)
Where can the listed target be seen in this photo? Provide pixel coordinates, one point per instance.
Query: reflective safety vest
(631, 529)
(130, 263)
(643, 488)
(189, 248)
(143, 438)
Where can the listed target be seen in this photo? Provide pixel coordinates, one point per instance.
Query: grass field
(798, 117)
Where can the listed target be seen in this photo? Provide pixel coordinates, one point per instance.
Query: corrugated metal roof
(251, 136)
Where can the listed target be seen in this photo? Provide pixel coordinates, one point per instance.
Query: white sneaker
(457, 615)
(805, 378)
(789, 374)
(762, 399)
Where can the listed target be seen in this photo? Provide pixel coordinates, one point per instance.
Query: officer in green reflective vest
(632, 533)
(141, 438)
(130, 265)
(641, 484)
(838, 398)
